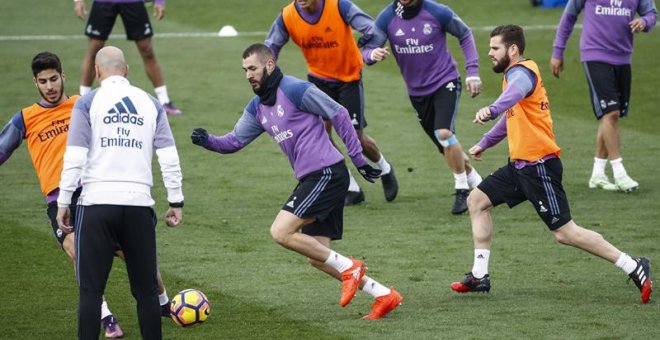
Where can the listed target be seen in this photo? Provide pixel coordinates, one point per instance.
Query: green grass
(259, 290)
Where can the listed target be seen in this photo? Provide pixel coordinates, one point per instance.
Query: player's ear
(270, 65)
(513, 50)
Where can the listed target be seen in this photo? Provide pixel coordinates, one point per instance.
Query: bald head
(110, 62)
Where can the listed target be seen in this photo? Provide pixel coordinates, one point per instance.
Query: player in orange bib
(534, 170)
(44, 126)
(323, 29)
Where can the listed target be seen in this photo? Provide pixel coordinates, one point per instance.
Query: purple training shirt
(295, 122)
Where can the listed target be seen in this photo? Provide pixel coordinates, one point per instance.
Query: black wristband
(176, 205)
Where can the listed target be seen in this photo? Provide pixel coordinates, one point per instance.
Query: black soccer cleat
(165, 310)
(641, 276)
(472, 284)
(390, 185)
(460, 203)
(354, 197)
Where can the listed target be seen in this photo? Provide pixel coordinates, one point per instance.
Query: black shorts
(438, 110)
(349, 95)
(320, 195)
(609, 87)
(540, 184)
(102, 18)
(51, 211)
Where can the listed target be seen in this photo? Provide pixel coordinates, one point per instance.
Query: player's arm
(170, 167)
(159, 9)
(363, 23)
(317, 102)
(491, 138)
(277, 36)
(455, 26)
(564, 30)
(11, 136)
(80, 9)
(75, 158)
(648, 15)
(521, 83)
(245, 131)
(375, 45)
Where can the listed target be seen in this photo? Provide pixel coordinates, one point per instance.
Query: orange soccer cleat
(350, 281)
(384, 304)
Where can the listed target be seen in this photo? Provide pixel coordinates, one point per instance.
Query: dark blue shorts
(438, 110)
(51, 211)
(539, 184)
(349, 95)
(609, 87)
(320, 195)
(103, 15)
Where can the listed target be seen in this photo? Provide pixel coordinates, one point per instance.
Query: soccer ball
(190, 307)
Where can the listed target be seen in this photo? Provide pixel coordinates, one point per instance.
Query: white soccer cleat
(626, 184)
(602, 182)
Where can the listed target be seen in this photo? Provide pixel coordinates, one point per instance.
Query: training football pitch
(259, 290)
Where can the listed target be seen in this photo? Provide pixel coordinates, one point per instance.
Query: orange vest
(46, 131)
(529, 125)
(328, 45)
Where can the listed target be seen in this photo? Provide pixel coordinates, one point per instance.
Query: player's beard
(262, 82)
(502, 64)
(57, 101)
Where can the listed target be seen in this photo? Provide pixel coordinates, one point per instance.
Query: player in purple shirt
(417, 32)
(350, 94)
(606, 46)
(291, 111)
(138, 28)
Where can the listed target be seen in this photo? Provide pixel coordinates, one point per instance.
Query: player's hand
(173, 217)
(379, 53)
(199, 136)
(476, 152)
(159, 11)
(483, 115)
(64, 220)
(473, 85)
(80, 9)
(637, 25)
(369, 173)
(557, 66)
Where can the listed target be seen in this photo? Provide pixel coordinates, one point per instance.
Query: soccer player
(112, 134)
(45, 126)
(534, 171)
(323, 29)
(138, 28)
(417, 32)
(291, 111)
(606, 46)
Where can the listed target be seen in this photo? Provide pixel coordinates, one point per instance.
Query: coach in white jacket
(113, 132)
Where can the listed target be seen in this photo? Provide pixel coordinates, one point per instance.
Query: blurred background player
(606, 46)
(291, 111)
(138, 28)
(534, 170)
(417, 32)
(323, 29)
(115, 205)
(45, 126)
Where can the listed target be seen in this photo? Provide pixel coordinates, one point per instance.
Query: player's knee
(445, 137)
(147, 52)
(611, 117)
(477, 201)
(279, 235)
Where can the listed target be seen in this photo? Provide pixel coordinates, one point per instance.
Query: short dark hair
(46, 61)
(511, 34)
(262, 51)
